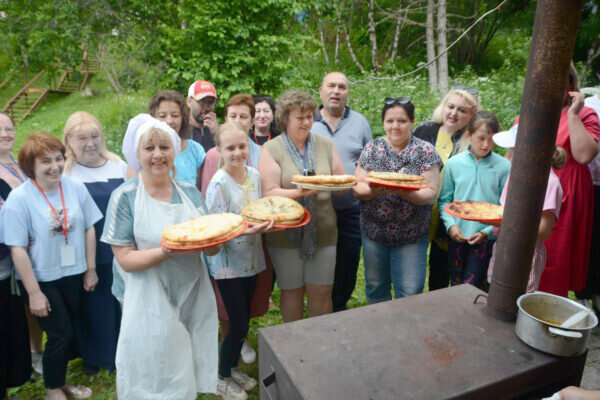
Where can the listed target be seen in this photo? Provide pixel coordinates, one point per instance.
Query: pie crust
(282, 210)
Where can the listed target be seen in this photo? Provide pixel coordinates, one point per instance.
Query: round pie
(282, 210)
(326, 180)
(200, 231)
(396, 176)
(476, 210)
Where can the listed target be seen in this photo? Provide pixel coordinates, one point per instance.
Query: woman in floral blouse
(394, 223)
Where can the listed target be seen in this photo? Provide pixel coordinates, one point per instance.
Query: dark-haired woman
(169, 106)
(264, 128)
(394, 223)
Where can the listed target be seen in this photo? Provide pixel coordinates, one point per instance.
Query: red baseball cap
(201, 89)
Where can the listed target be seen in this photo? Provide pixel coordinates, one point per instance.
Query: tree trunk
(397, 34)
(337, 47)
(373, 35)
(430, 40)
(593, 53)
(338, 12)
(113, 80)
(356, 62)
(322, 34)
(442, 44)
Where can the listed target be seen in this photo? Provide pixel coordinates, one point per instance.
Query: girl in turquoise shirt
(476, 174)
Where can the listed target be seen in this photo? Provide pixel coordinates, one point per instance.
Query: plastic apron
(168, 345)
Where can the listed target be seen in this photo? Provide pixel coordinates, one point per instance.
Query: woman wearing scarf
(303, 258)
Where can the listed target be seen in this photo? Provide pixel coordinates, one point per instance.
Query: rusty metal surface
(431, 346)
(553, 40)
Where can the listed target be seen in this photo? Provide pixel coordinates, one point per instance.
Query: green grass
(103, 384)
(112, 110)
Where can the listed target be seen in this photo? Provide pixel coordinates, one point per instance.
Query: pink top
(209, 167)
(554, 194)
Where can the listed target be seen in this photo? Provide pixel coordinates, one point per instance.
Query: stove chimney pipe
(552, 44)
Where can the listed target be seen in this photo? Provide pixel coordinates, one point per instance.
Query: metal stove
(437, 345)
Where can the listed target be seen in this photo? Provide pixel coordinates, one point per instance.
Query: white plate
(322, 188)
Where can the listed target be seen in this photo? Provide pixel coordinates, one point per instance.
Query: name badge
(67, 255)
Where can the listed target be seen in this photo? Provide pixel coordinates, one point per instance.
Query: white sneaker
(248, 353)
(243, 380)
(36, 362)
(229, 390)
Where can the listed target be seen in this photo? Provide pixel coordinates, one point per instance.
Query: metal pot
(538, 324)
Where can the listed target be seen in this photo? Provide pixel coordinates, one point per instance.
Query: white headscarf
(139, 125)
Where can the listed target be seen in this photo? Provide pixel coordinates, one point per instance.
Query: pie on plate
(475, 211)
(204, 231)
(396, 176)
(326, 180)
(282, 210)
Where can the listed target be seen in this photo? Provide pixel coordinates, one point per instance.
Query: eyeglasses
(471, 91)
(308, 172)
(398, 100)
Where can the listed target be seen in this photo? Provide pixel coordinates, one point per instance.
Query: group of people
(81, 228)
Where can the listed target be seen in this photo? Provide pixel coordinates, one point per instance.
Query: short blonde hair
(468, 97)
(290, 100)
(149, 137)
(77, 122)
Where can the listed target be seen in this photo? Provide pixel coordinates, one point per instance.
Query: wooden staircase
(26, 100)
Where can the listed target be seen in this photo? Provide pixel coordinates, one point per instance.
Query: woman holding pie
(445, 131)
(168, 341)
(303, 258)
(394, 223)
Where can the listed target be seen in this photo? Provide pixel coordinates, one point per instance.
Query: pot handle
(567, 334)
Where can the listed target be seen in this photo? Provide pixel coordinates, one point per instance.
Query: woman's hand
(209, 251)
(265, 227)
(456, 234)
(477, 238)
(90, 280)
(577, 101)
(307, 192)
(39, 304)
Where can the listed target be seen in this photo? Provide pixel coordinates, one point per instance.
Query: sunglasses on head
(398, 100)
(308, 172)
(469, 90)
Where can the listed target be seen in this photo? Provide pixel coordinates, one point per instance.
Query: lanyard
(11, 171)
(303, 155)
(256, 140)
(62, 198)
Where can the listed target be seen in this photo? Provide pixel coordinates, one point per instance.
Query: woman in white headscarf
(168, 342)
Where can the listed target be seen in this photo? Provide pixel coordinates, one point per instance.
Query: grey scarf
(305, 238)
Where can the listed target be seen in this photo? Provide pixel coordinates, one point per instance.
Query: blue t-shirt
(26, 215)
(188, 162)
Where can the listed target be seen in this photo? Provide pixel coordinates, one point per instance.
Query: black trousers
(64, 296)
(347, 256)
(592, 284)
(237, 296)
(15, 355)
(438, 267)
